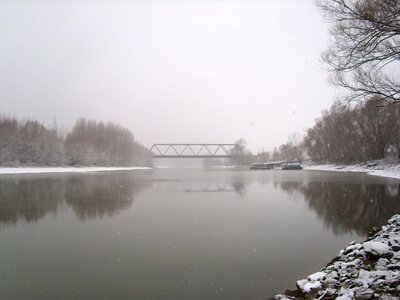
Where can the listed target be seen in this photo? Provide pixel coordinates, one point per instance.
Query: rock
(364, 293)
(312, 285)
(396, 248)
(300, 284)
(393, 267)
(370, 270)
(281, 297)
(383, 262)
(318, 276)
(307, 286)
(344, 297)
(376, 248)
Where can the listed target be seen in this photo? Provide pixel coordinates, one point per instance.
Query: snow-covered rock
(317, 276)
(369, 270)
(376, 248)
(311, 285)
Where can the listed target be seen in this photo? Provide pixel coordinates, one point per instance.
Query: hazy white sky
(172, 71)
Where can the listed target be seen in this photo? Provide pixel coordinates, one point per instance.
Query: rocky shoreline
(368, 270)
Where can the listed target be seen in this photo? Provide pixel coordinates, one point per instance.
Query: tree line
(88, 143)
(346, 134)
(363, 59)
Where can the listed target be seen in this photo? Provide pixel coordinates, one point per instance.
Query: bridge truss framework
(192, 150)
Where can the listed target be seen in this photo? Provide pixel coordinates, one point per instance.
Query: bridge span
(193, 150)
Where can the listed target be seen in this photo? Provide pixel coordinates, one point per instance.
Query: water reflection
(345, 203)
(99, 196)
(30, 198)
(230, 231)
(192, 186)
(346, 207)
(239, 187)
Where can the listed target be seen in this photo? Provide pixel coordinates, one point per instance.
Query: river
(180, 233)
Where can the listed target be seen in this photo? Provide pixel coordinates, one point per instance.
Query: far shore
(39, 170)
(372, 168)
(377, 168)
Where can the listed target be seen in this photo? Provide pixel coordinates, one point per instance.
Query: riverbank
(375, 168)
(38, 170)
(368, 270)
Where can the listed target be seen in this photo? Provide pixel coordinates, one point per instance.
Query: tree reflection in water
(348, 206)
(30, 198)
(345, 203)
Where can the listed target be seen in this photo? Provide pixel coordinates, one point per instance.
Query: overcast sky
(171, 71)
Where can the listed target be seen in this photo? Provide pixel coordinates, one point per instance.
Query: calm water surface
(179, 233)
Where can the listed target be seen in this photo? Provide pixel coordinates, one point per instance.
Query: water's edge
(362, 270)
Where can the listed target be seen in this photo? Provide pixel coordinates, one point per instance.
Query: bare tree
(335, 137)
(263, 156)
(275, 154)
(88, 143)
(104, 144)
(240, 155)
(293, 150)
(347, 134)
(379, 127)
(8, 141)
(96, 143)
(365, 53)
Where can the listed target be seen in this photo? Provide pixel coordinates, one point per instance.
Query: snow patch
(376, 169)
(67, 170)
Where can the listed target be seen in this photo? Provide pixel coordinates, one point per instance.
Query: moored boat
(295, 165)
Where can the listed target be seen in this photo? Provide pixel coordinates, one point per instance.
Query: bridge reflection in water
(192, 186)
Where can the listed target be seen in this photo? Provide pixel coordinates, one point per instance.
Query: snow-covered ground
(370, 270)
(372, 168)
(36, 170)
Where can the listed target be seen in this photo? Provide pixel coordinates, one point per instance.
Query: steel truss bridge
(192, 150)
